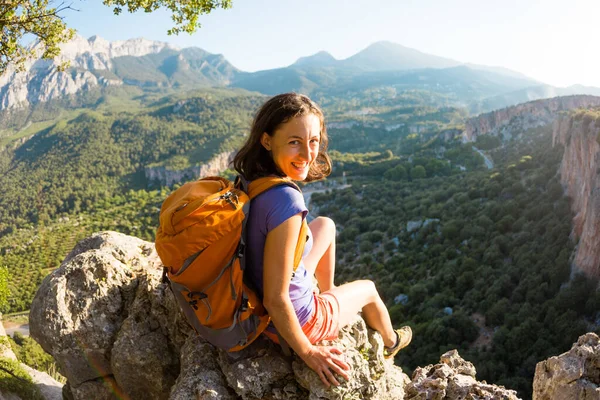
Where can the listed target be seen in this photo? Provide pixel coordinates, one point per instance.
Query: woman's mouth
(300, 166)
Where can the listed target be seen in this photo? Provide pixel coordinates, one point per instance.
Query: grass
(33, 128)
(21, 317)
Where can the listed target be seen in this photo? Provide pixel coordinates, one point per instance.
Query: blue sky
(552, 41)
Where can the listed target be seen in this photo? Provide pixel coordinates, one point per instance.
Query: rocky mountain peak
(385, 55)
(100, 47)
(41, 81)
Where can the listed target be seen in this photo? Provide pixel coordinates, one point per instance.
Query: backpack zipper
(229, 196)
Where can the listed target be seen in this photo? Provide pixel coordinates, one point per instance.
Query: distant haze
(549, 41)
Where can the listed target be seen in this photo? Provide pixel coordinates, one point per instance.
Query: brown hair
(254, 161)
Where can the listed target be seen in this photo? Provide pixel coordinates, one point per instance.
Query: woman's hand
(325, 360)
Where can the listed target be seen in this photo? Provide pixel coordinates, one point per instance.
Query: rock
(167, 177)
(571, 375)
(5, 349)
(401, 299)
(113, 327)
(41, 81)
(579, 175)
(49, 388)
(452, 378)
(524, 116)
(413, 225)
(104, 317)
(371, 376)
(260, 372)
(200, 376)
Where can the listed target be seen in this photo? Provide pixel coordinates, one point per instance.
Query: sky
(552, 41)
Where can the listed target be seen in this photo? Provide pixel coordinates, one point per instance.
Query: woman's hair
(254, 161)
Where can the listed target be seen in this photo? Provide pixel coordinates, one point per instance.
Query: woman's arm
(280, 246)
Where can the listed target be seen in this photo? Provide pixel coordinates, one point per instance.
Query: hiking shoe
(404, 337)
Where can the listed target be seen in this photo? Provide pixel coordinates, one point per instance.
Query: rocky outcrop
(507, 121)
(113, 327)
(98, 63)
(47, 386)
(572, 375)
(41, 81)
(452, 378)
(166, 177)
(580, 175)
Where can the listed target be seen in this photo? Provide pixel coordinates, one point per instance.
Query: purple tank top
(267, 211)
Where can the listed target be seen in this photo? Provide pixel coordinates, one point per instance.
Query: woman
(288, 139)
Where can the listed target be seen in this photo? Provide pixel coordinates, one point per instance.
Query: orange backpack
(201, 242)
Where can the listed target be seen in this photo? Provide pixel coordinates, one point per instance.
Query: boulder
(115, 329)
(571, 375)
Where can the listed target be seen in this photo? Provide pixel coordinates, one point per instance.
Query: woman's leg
(321, 259)
(363, 296)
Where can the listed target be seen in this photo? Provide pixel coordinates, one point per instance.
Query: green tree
(4, 290)
(418, 172)
(397, 173)
(40, 19)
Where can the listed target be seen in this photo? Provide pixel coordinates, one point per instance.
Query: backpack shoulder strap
(261, 185)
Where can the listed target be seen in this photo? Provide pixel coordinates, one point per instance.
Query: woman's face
(295, 145)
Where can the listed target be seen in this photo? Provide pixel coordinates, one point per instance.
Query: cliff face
(96, 62)
(167, 177)
(41, 81)
(580, 175)
(524, 116)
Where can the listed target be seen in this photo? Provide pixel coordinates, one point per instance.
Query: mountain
(385, 56)
(96, 62)
(98, 66)
(462, 84)
(320, 59)
(386, 64)
(529, 94)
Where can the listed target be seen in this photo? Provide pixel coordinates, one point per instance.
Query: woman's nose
(305, 151)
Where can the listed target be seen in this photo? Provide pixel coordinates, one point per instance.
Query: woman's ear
(265, 140)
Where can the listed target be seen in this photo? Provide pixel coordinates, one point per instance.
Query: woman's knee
(323, 223)
(368, 290)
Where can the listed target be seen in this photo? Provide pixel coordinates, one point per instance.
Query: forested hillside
(76, 163)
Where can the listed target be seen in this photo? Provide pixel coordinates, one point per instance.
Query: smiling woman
(289, 140)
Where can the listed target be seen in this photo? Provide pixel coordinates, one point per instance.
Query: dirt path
(12, 327)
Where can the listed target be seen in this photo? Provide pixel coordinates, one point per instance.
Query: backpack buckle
(241, 250)
(194, 297)
(244, 304)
